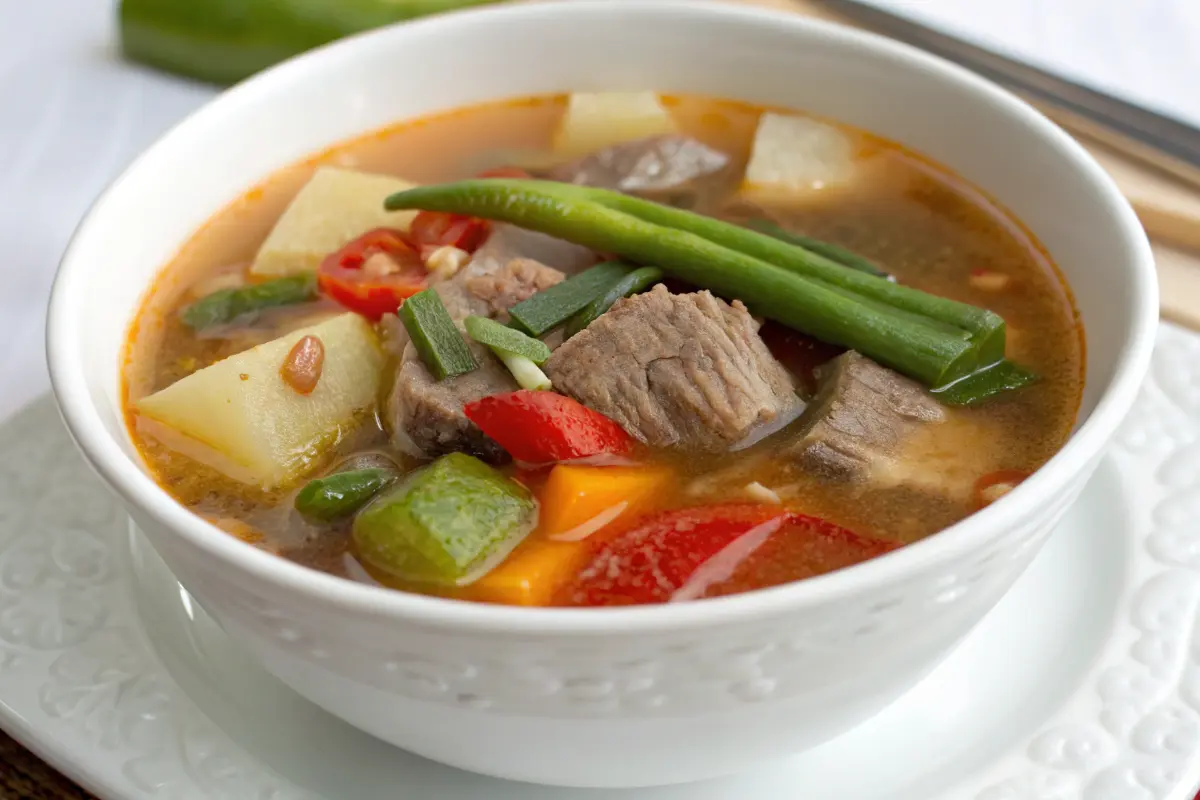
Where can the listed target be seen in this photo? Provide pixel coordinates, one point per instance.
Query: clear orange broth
(927, 226)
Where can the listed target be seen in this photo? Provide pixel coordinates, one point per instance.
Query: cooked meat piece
(425, 416)
(681, 370)
(661, 166)
(517, 280)
(861, 414)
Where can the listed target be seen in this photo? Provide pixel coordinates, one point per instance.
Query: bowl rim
(363, 601)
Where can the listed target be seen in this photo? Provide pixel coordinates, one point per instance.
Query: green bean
(987, 328)
(501, 337)
(232, 305)
(906, 342)
(637, 281)
(435, 336)
(552, 307)
(339, 495)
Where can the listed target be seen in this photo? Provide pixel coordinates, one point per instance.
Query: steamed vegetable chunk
(334, 207)
(794, 157)
(444, 524)
(596, 120)
(240, 417)
(532, 574)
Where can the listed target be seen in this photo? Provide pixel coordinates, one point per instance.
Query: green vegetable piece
(527, 374)
(831, 251)
(1002, 377)
(548, 309)
(985, 327)
(501, 337)
(339, 495)
(637, 281)
(435, 336)
(223, 41)
(932, 339)
(445, 524)
(230, 305)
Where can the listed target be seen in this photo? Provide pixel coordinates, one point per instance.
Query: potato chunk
(597, 120)
(240, 417)
(334, 207)
(793, 157)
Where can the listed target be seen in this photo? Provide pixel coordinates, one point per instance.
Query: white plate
(1084, 684)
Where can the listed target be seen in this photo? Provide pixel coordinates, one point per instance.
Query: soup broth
(915, 220)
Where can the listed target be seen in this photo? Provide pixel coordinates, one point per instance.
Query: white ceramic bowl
(609, 697)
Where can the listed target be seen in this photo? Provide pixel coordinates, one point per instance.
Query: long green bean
(904, 341)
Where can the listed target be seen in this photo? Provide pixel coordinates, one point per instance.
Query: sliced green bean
(637, 281)
(339, 495)
(439, 343)
(501, 337)
(241, 303)
(548, 309)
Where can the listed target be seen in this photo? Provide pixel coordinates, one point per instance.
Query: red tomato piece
(373, 274)
(505, 172)
(434, 229)
(708, 551)
(803, 547)
(652, 558)
(544, 427)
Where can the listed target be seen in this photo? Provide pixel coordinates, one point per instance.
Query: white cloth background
(72, 115)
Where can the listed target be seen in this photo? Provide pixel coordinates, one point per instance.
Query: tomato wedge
(544, 427)
(433, 229)
(803, 547)
(689, 553)
(373, 274)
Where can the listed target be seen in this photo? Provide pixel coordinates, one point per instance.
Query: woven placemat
(24, 776)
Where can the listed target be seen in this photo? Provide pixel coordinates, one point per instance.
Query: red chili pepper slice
(544, 427)
(433, 229)
(373, 274)
(707, 551)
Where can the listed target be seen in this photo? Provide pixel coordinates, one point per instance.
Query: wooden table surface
(25, 777)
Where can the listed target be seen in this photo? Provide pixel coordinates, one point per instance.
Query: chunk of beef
(424, 415)
(675, 370)
(519, 279)
(861, 414)
(663, 167)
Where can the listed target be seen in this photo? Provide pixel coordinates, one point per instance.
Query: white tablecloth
(72, 115)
